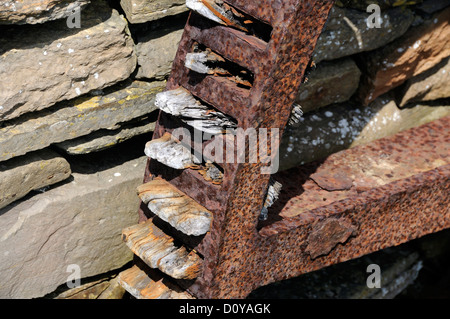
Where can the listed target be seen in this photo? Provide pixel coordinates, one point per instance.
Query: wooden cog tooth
(147, 284)
(173, 206)
(181, 103)
(157, 250)
(198, 62)
(181, 265)
(168, 151)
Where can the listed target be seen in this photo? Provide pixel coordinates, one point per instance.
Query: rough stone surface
(390, 120)
(156, 52)
(37, 11)
(77, 118)
(347, 33)
(331, 82)
(430, 85)
(21, 175)
(420, 49)
(78, 223)
(139, 11)
(44, 64)
(337, 127)
(103, 139)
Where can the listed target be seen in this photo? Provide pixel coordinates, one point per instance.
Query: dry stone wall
(77, 105)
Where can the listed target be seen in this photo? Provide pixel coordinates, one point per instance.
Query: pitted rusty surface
(387, 216)
(402, 208)
(349, 173)
(289, 51)
(355, 202)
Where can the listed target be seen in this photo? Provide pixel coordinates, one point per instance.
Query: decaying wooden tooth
(296, 114)
(181, 264)
(273, 192)
(207, 62)
(203, 62)
(170, 152)
(181, 103)
(152, 245)
(211, 173)
(146, 284)
(218, 11)
(148, 242)
(171, 205)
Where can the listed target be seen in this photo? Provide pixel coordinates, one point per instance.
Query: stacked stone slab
(60, 84)
(37, 11)
(72, 98)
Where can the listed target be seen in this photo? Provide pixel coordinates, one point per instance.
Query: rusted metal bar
(277, 62)
(398, 191)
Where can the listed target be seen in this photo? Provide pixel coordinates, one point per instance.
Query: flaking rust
(326, 234)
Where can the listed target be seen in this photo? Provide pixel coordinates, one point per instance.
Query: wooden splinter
(157, 250)
(181, 103)
(273, 192)
(169, 151)
(203, 62)
(171, 205)
(296, 114)
(218, 11)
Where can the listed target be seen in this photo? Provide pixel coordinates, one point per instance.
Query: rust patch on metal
(327, 234)
(336, 181)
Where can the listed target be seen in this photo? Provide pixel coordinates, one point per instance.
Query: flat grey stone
(346, 32)
(156, 52)
(331, 82)
(78, 223)
(37, 11)
(103, 139)
(21, 175)
(432, 6)
(428, 86)
(139, 11)
(78, 117)
(44, 64)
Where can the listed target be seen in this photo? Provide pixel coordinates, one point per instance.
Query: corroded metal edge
(369, 221)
